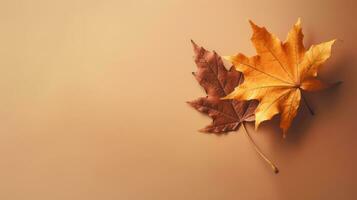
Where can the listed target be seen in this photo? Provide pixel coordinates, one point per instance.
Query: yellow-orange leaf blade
(278, 73)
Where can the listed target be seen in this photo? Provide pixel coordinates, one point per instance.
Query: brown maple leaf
(218, 82)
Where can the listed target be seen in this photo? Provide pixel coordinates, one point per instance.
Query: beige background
(93, 103)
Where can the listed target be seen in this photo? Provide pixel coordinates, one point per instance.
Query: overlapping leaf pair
(274, 80)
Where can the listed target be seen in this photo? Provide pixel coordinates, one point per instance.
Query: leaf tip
(202, 130)
(206, 130)
(229, 58)
(253, 25)
(298, 23)
(256, 125)
(195, 46)
(285, 130)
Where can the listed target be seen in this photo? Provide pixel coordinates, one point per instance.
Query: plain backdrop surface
(92, 103)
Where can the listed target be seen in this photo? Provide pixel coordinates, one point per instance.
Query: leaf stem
(307, 105)
(257, 149)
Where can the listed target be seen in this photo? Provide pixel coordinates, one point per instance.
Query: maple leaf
(218, 82)
(278, 74)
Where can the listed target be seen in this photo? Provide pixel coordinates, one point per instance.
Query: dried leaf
(279, 72)
(212, 75)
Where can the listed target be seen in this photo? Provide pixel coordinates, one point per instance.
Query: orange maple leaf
(279, 72)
